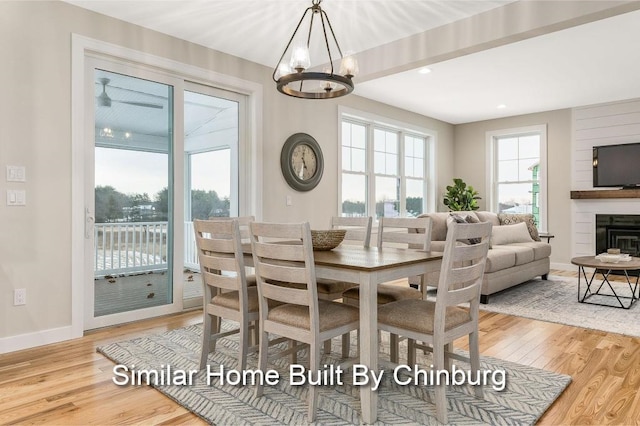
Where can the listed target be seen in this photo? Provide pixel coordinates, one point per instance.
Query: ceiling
(592, 63)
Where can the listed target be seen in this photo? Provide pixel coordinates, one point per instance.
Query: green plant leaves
(460, 197)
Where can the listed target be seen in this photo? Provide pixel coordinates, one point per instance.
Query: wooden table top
(592, 262)
(367, 259)
(372, 258)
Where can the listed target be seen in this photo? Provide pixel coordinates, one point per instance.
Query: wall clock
(301, 162)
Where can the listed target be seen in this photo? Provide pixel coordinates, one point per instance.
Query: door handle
(89, 221)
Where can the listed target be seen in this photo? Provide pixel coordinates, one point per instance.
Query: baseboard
(564, 266)
(32, 340)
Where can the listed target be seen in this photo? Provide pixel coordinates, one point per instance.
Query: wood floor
(70, 383)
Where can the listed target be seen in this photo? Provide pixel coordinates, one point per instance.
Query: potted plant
(460, 197)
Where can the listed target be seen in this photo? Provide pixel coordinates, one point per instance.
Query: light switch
(16, 197)
(16, 174)
(288, 201)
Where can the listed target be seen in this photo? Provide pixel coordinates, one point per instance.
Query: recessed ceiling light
(501, 106)
(425, 70)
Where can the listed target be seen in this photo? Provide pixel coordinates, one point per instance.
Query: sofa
(516, 253)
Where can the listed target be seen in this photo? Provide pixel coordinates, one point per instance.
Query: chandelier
(295, 79)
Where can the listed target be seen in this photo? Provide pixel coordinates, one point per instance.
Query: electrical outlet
(19, 296)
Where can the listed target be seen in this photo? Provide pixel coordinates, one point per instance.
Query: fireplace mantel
(605, 194)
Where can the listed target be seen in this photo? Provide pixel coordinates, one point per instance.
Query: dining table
(368, 267)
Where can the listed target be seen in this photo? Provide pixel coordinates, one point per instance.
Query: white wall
(35, 82)
(595, 125)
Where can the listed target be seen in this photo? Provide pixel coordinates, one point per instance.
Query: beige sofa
(507, 264)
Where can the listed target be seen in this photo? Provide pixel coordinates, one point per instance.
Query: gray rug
(529, 391)
(556, 300)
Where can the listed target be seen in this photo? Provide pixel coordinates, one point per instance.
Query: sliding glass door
(164, 152)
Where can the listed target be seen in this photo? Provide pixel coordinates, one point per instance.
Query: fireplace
(618, 231)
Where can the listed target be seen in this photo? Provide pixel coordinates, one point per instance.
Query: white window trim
(431, 139)
(490, 189)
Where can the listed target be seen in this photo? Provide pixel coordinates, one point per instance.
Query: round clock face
(304, 162)
(301, 162)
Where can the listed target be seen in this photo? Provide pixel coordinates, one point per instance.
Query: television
(616, 165)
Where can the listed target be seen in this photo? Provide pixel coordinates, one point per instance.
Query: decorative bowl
(327, 239)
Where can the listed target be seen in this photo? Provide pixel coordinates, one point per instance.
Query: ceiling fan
(105, 101)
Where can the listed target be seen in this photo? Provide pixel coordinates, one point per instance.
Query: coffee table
(605, 268)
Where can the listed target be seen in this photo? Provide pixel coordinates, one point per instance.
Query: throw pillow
(464, 219)
(508, 234)
(511, 218)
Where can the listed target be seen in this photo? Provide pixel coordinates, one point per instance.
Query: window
(518, 172)
(383, 169)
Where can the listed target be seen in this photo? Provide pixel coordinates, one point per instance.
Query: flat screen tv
(616, 165)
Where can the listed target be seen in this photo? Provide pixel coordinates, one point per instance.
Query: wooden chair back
(406, 231)
(463, 265)
(282, 252)
(358, 228)
(220, 256)
(243, 222)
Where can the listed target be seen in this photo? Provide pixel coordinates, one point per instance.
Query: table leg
(369, 343)
(605, 280)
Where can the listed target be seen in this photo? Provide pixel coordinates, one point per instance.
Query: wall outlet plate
(16, 174)
(19, 296)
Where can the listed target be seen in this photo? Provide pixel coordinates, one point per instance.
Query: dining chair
(403, 232)
(226, 290)
(439, 323)
(284, 253)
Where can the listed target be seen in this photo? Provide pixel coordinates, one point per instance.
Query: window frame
(492, 138)
(371, 123)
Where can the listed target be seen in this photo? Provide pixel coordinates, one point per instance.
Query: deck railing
(138, 246)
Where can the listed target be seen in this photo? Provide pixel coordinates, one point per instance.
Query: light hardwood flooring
(70, 383)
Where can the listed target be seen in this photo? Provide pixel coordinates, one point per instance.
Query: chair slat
(224, 282)
(465, 274)
(470, 252)
(277, 230)
(285, 294)
(283, 273)
(217, 245)
(219, 262)
(279, 251)
(461, 295)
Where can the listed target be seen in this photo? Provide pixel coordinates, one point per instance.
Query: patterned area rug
(556, 300)
(528, 393)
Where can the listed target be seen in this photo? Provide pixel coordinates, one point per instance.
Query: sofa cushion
(523, 253)
(510, 219)
(499, 259)
(438, 225)
(540, 249)
(508, 234)
(490, 217)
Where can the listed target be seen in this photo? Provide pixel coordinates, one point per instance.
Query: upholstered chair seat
(332, 315)
(403, 315)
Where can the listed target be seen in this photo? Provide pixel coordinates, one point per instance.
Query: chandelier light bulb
(300, 59)
(283, 69)
(349, 66)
